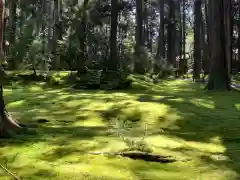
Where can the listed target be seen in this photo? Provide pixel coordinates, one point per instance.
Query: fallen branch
(9, 172)
(140, 155)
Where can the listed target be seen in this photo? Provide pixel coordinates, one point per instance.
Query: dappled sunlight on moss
(176, 118)
(203, 102)
(35, 88)
(237, 106)
(16, 104)
(207, 147)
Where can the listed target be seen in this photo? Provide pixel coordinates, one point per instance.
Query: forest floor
(182, 121)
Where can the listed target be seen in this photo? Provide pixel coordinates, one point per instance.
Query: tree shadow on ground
(57, 109)
(201, 122)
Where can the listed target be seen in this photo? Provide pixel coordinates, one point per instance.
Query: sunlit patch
(237, 106)
(35, 88)
(207, 147)
(16, 104)
(203, 103)
(7, 91)
(64, 97)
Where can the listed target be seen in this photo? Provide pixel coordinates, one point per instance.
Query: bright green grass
(183, 121)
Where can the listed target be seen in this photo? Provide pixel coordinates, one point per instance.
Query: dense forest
(138, 37)
(108, 44)
(134, 36)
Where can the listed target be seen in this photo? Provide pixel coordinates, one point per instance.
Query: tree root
(9, 125)
(140, 156)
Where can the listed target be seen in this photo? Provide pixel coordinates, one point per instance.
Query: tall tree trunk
(160, 55)
(12, 31)
(12, 21)
(219, 78)
(83, 39)
(113, 60)
(184, 60)
(238, 30)
(228, 33)
(7, 124)
(161, 39)
(50, 25)
(179, 37)
(2, 9)
(57, 35)
(171, 50)
(139, 48)
(146, 23)
(204, 38)
(197, 40)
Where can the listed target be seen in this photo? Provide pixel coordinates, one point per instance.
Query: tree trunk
(219, 78)
(113, 60)
(171, 50)
(139, 36)
(179, 37)
(2, 9)
(239, 31)
(12, 22)
(7, 124)
(57, 35)
(204, 37)
(83, 39)
(228, 33)
(197, 40)
(160, 55)
(184, 65)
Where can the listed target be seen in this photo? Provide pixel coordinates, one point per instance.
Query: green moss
(180, 119)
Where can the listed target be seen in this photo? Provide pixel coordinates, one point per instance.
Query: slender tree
(197, 40)
(7, 124)
(82, 36)
(239, 30)
(183, 63)
(113, 60)
(161, 38)
(139, 37)
(171, 41)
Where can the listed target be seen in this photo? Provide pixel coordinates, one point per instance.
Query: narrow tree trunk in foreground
(6, 123)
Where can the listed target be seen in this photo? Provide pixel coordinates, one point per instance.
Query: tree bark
(160, 55)
(12, 21)
(171, 50)
(204, 43)
(197, 40)
(139, 37)
(2, 9)
(7, 124)
(219, 78)
(83, 39)
(239, 30)
(183, 64)
(113, 60)
(161, 38)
